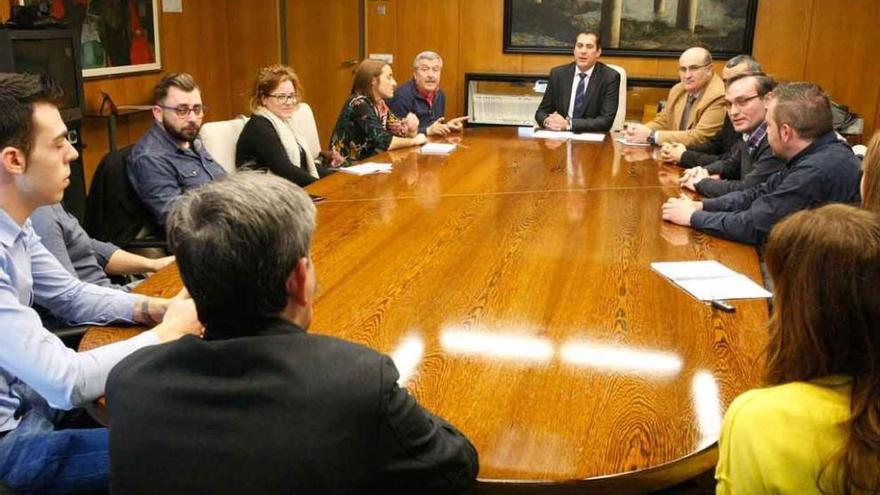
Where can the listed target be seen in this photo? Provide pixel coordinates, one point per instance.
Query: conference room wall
(838, 36)
(221, 43)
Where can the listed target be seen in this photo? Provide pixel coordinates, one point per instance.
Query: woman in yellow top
(816, 428)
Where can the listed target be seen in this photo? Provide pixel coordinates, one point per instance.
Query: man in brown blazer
(694, 108)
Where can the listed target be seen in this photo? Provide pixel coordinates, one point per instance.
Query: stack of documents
(367, 168)
(710, 280)
(437, 149)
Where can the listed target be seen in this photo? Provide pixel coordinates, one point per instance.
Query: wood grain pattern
(321, 37)
(510, 281)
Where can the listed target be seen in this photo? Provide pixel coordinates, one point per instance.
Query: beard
(187, 133)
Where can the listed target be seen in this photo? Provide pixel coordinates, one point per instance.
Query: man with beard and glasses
(170, 159)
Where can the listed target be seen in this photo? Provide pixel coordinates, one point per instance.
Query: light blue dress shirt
(31, 355)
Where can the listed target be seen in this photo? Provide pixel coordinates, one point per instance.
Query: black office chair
(114, 212)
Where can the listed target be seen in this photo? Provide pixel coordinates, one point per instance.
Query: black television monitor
(47, 51)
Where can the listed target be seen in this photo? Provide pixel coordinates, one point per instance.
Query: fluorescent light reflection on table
(495, 345)
(620, 358)
(707, 403)
(407, 356)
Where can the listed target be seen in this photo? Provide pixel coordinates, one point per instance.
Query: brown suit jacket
(707, 115)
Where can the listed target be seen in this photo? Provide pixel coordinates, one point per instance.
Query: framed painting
(116, 36)
(646, 28)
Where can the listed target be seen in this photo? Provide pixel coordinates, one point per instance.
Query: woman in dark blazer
(271, 140)
(366, 126)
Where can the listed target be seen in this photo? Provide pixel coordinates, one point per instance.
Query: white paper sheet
(437, 148)
(367, 168)
(710, 280)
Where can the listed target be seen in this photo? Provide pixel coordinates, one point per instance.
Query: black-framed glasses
(739, 103)
(693, 68)
(284, 97)
(184, 110)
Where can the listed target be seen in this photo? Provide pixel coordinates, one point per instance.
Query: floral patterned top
(364, 129)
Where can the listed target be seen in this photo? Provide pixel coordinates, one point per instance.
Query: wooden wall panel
(381, 27)
(782, 36)
(4, 11)
(436, 26)
(843, 38)
(322, 46)
(254, 42)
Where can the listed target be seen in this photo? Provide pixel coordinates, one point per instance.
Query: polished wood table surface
(510, 282)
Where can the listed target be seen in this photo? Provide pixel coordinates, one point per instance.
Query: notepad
(437, 148)
(710, 280)
(589, 137)
(367, 168)
(545, 134)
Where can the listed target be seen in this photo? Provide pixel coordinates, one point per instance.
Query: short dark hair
(593, 33)
(179, 80)
(368, 70)
(18, 95)
(750, 62)
(237, 240)
(764, 84)
(804, 106)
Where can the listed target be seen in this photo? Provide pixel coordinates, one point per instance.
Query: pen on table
(722, 305)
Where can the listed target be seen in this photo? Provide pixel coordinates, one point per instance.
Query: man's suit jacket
(700, 155)
(740, 170)
(277, 411)
(707, 115)
(602, 95)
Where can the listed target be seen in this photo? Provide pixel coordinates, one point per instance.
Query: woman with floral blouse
(366, 126)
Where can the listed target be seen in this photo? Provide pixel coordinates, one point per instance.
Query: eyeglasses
(183, 110)
(692, 68)
(739, 103)
(284, 98)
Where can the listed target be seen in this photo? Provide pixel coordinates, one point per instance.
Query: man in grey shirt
(87, 259)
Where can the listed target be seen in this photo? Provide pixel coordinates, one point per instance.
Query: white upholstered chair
(220, 139)
(306, 128)
(621, 99)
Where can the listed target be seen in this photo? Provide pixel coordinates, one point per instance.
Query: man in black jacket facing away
(259, 405)
(750, 160)
(818, 169)
(581, 96)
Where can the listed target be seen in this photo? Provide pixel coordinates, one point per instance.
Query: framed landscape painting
(116, 36)
(653, 28)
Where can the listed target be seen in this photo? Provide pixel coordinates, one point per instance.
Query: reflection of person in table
(261, 405)
(39, 376)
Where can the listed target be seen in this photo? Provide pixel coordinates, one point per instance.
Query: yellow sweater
(776, 440)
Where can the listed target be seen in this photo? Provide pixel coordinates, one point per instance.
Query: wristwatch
(568, 121)
(652, 138)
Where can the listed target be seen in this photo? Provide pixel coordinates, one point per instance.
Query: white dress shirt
(574, 85)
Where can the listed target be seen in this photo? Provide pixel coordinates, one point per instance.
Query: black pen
(722, 305)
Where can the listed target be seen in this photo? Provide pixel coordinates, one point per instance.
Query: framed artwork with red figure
(116, 36)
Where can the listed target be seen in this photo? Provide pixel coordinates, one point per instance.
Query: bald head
(695, 69)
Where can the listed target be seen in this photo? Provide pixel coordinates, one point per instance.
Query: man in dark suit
(260, 405)
(750, 160)
(581, 96)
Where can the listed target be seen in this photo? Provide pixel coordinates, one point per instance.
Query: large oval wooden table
(510, 282)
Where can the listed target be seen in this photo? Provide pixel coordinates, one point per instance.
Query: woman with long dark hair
(366, 126)
(816, 427)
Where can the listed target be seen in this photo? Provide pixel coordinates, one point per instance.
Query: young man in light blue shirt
(39, 376)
